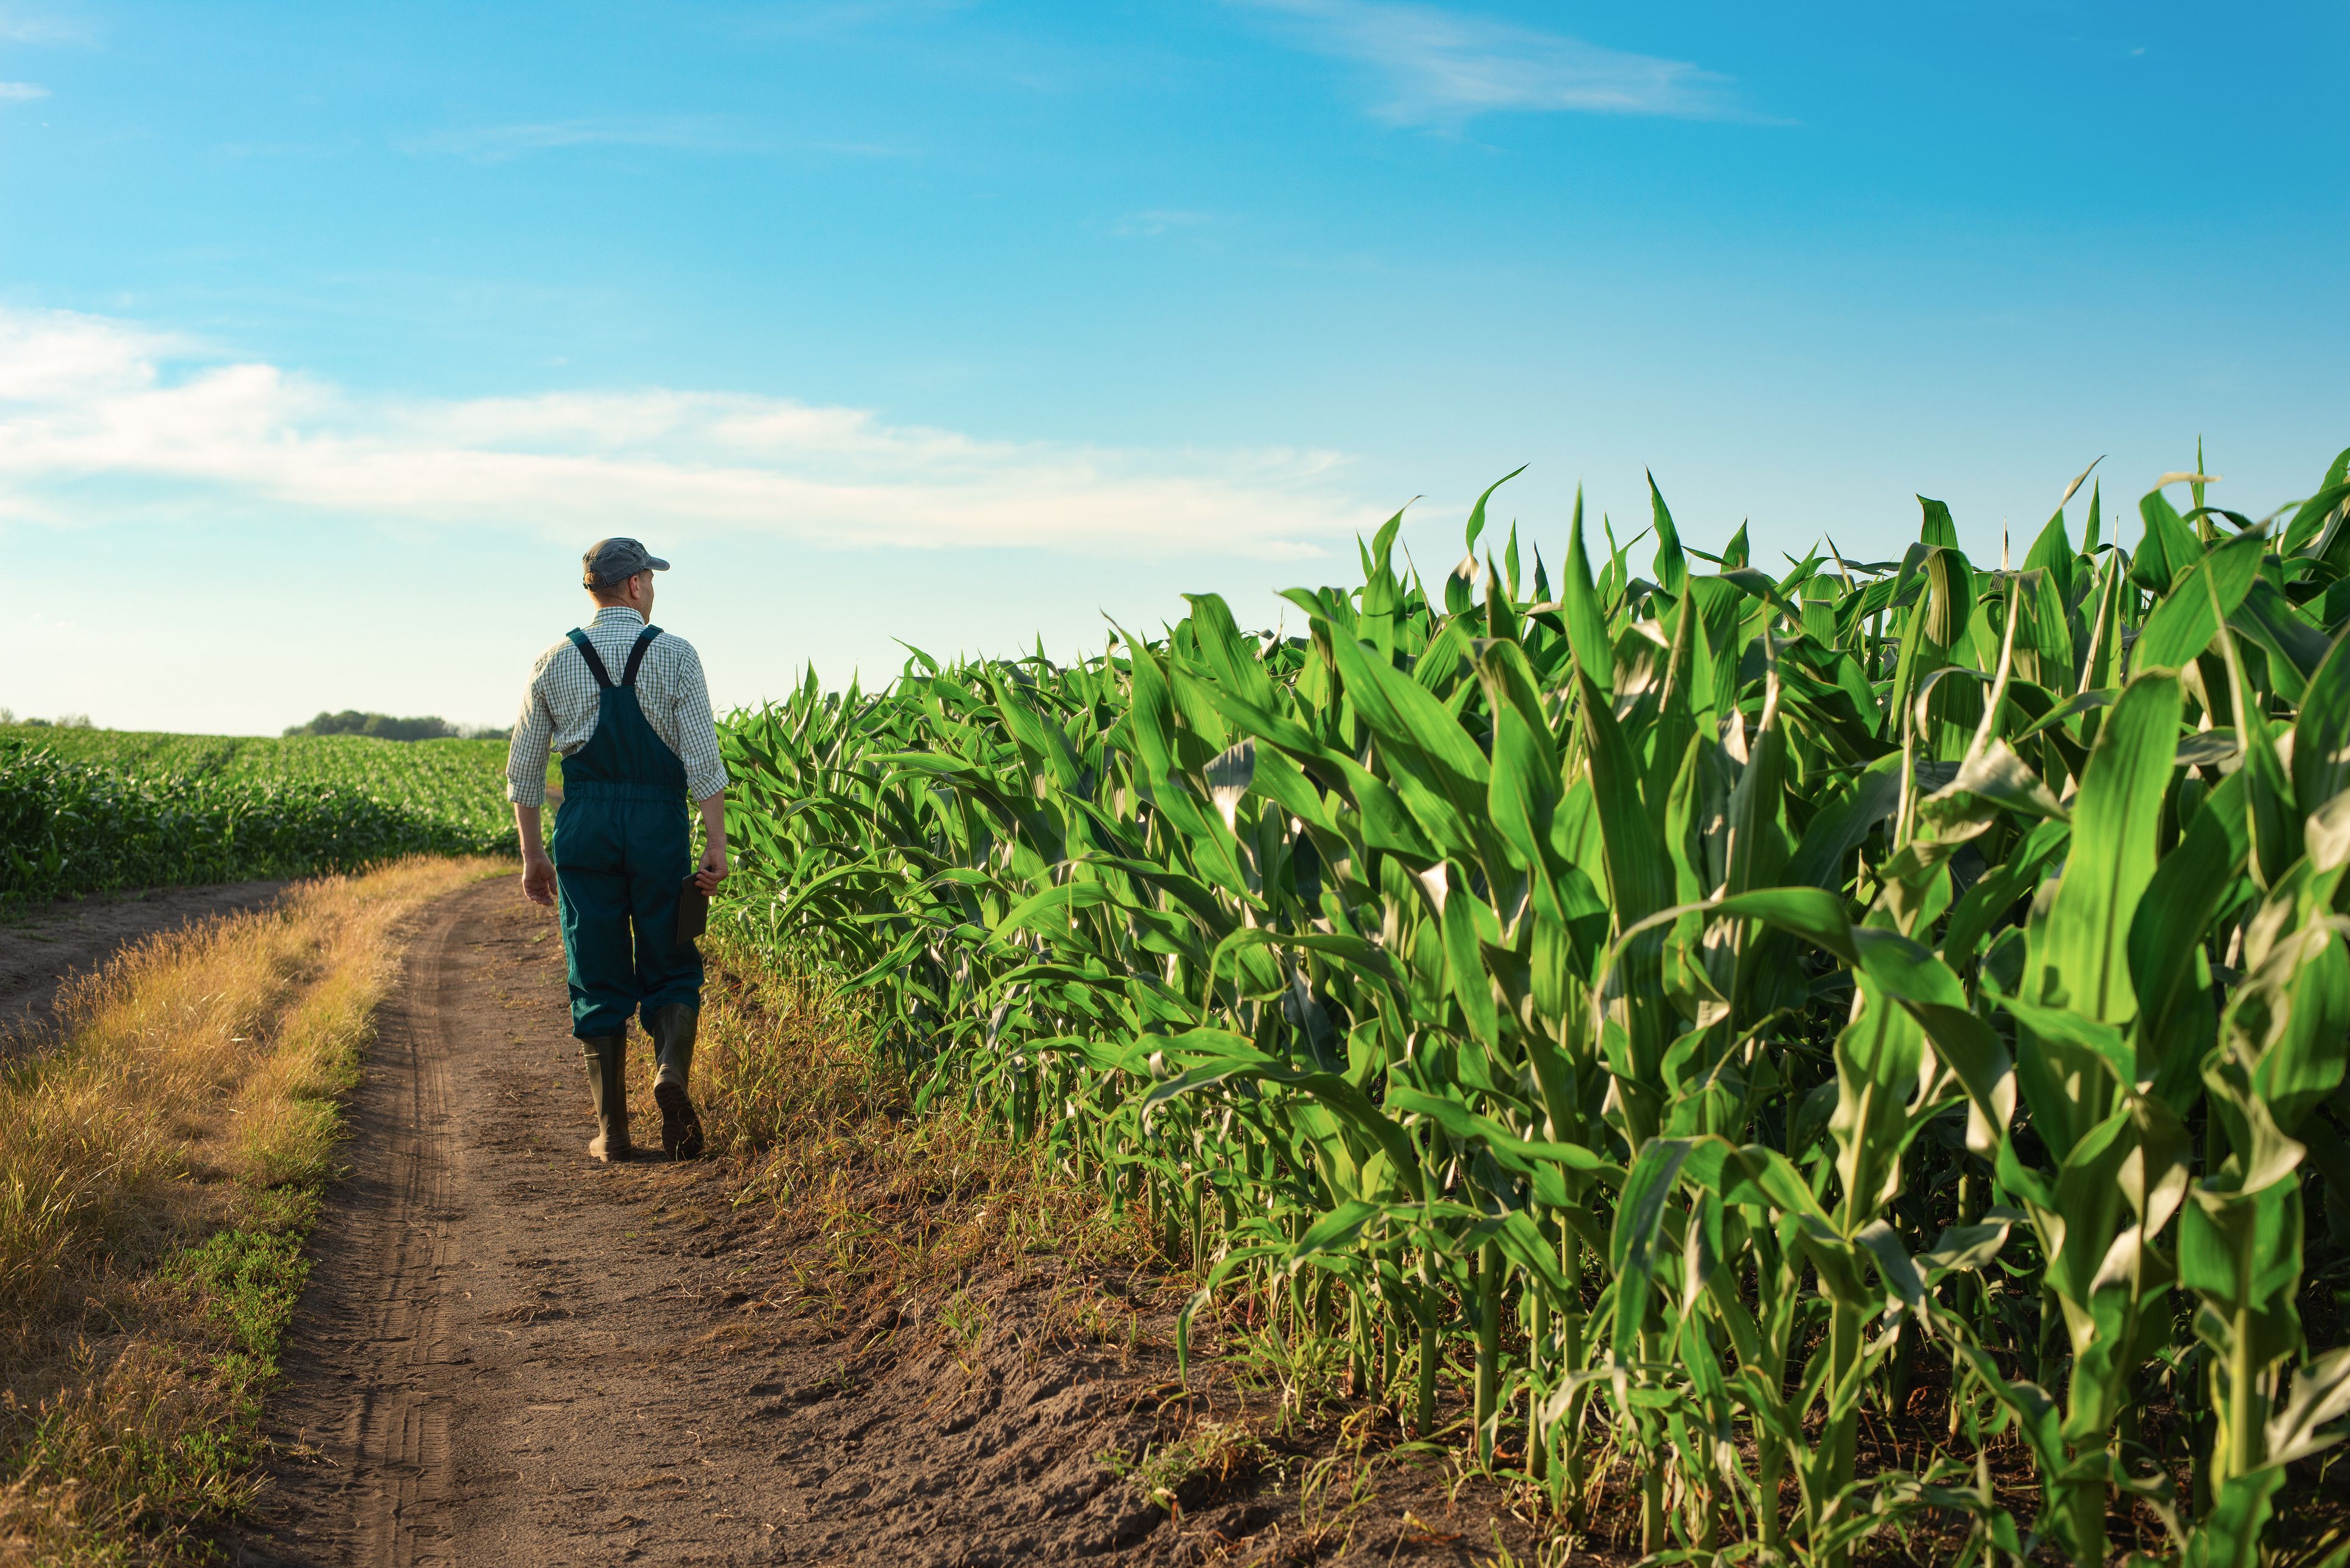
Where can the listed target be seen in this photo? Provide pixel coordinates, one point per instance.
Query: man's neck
(632, 613)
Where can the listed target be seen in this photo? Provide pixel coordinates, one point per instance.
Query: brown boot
(608, 1087)
(672, 1031)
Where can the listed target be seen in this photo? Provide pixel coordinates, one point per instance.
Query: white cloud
(101, 418)
(21, 92)
(1444, 66)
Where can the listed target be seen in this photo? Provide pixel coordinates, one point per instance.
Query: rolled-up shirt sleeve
(526, 753)
(697, 732)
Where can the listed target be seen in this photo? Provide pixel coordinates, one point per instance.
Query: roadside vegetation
(161, 1156)
(883, 1204)
(1833, 1062)
(85, 810)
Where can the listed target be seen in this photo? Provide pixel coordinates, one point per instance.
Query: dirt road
(511, 1355)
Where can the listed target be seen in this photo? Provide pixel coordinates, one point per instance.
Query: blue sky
(330, 334)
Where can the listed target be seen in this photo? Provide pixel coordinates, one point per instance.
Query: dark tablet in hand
(692, 912)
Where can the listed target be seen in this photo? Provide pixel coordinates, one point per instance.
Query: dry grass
(878, 1204)
(159, 1157)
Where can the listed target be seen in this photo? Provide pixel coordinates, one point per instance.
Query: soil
(42, 947)
(509, 1354)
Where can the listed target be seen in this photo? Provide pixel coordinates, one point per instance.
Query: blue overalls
(623, 844)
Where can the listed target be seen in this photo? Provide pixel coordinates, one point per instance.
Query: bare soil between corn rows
(510, 1354)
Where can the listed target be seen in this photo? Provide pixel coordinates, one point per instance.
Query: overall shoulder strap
(595, 665)
(637, 654)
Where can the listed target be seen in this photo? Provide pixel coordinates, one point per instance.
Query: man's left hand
(712, 871)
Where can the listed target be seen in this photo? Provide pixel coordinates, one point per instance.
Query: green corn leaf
(2177, 1022)
(2168, 548)
(2321, 1395)
(1232, 655)
(1632, 1245)
(2182, 625)
(1672, 565)
(2291, 1017)
(2303, 535)
(1586, 622)
(2116, 822)
(1518, 1153)
(1936, 527)
(1406, 714)
(2321, 735)
(2001, 888)
(2295, 648)
(2052, 554)
(1636, 877)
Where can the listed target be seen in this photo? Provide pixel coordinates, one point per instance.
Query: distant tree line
(384, 727)
(62, 721)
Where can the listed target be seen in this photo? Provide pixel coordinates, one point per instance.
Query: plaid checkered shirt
(560, 710)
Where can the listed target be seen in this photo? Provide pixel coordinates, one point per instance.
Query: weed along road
(509, 1354)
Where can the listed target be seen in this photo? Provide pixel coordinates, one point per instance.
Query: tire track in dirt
(369, 1357)
(396, 1428)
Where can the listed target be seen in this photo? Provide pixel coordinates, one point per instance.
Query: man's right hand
(539, 879)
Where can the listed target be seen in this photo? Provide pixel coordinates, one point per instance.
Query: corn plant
(1688, 1008)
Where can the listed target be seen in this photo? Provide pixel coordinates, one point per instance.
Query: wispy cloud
(687, 133)
(1160, 220)
(814, 17)
(21, 92)
(1441, 66)
(18, 26)
(494, 143)
(98, 413)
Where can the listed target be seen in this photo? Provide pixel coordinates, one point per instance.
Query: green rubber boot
(608, 1087)
(672, 1032)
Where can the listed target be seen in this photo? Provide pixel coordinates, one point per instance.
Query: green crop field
(87, 810)
(1793, 1053)
(440, 778)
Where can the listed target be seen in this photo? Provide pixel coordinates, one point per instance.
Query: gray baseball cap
(608, 561)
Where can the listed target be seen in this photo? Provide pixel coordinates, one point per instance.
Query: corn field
(1680, 1020)
(85, 810)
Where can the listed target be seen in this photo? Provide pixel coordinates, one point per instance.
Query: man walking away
(626, 705)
